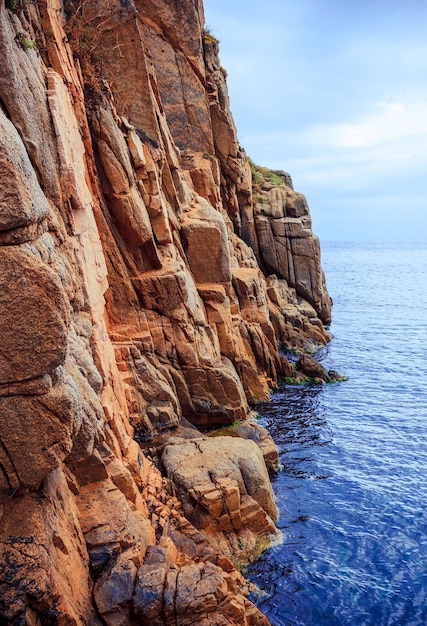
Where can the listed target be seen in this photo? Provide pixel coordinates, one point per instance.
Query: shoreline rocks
(149, 276)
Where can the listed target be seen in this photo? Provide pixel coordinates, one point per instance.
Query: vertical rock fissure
(131, 310)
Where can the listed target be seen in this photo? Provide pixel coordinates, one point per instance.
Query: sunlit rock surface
(148, 277)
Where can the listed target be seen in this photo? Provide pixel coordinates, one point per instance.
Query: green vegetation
(208, 37)
(340, 379)
(271, 177)
(291, 380)
(307, 380)
(186, 155)
(261, 175)
(12, 5)
(24, 41)
(284, 349)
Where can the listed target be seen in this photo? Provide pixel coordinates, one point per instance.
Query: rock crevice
(148, 274)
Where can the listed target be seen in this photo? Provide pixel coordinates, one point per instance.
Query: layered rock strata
(144, 291)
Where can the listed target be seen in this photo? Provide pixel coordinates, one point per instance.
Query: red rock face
(145, 284)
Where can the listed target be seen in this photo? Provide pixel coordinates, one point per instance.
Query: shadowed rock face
(147, 277)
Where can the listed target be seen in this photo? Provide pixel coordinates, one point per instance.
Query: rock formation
(147, 278)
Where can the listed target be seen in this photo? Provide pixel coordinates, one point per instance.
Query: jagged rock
(148, 601)
(22, 202)
(33, 317)
(310, 367)
(216, 395)
(114, 592)
(106, 518)
(169, 292)
(20, 418)
(206, 245)
(146, 282)
(192, 594)
(286, 244)
(223, 483)
(44, 567)
(22, 74)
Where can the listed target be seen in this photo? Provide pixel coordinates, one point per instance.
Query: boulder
(216, 395)
(34, 316)
(221, 480)
(196, 594)
(206, 244)
(311, 368)
(49, 422)
(22, 201)
(114, 590)
(255, 432)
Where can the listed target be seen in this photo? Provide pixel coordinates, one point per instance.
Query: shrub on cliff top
(263, 174)
(208, 37)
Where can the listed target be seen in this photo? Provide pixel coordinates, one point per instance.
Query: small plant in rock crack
(12, 5)
(24, 41)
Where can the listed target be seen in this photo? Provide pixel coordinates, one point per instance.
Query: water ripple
(352, 491)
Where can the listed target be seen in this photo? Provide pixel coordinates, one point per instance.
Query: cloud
(335, 93)
(390, 121)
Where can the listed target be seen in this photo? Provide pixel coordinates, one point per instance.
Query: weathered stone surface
(49, 422)
(310, 367)
(286, 244)
(33, 317)
(106, 518)
(114, 591)
(22, 73)
(206, 245)
(216, 395)
(44, 567)
(170, 292)
(70, 147)
(183, 93)
(253, 431)
(126, 204)
(22, 202)
(193, 594)
(146, 282)
(148, 601)
(214, 475)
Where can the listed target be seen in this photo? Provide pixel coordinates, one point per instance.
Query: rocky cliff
(148, 275)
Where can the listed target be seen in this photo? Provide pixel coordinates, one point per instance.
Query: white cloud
(335, 93)
(390, 121)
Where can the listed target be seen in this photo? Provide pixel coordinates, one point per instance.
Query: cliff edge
(149, 273)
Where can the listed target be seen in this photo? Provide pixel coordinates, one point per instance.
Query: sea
(352, 486)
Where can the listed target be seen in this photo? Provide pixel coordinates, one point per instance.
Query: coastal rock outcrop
(148, 275)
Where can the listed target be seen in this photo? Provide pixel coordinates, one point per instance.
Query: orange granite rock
(147, 277)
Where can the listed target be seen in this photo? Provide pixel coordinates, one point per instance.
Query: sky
(335, 93)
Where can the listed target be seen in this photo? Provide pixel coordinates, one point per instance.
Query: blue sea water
(352, 491)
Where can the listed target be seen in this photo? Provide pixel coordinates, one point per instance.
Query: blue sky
(335, 93)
